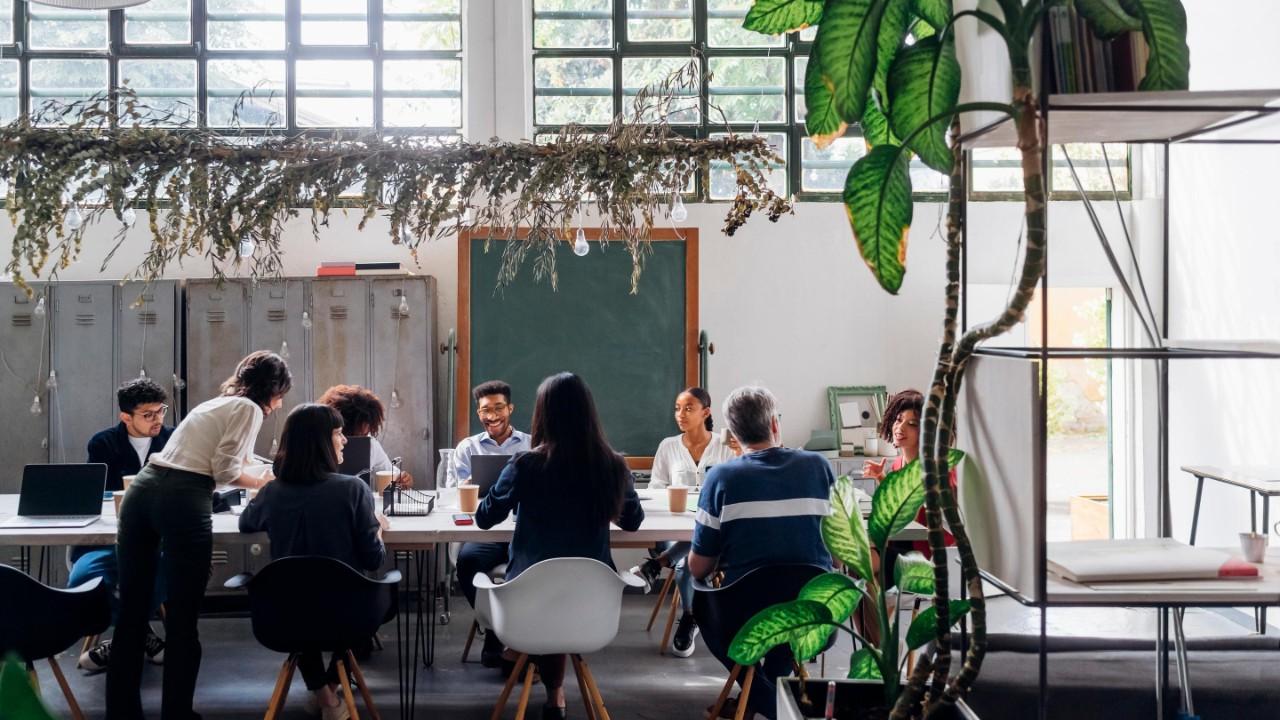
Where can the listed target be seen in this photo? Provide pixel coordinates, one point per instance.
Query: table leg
(1162, 663)
(1195, 513)
(1253, 511)
(1044, 667)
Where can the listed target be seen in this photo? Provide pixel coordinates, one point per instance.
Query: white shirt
(672, 456)
(141, 446)
(482, 444)
(378, 458)
(215, 439)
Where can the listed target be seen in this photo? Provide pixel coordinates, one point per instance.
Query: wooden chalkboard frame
(462, 404)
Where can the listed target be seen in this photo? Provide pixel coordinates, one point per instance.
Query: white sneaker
(335, 712)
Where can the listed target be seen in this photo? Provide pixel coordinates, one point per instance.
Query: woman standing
(170, 503)
(568, 488)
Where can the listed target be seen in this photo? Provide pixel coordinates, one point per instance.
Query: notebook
(1094, 561)
(59, 495)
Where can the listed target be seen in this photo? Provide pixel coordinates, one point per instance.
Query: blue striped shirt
(764, 508)
(482, 444)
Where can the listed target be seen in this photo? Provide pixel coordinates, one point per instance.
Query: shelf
(1178, 350)
(1141, 117)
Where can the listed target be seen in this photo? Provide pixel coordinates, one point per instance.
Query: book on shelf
(347, 269)
(1082, 62)
(1140, 560)
(336, 270)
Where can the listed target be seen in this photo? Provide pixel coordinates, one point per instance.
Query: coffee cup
(382, 479)
(1254, 546)
(871, 447)
(117, 497)
(678, 498)
(468, 497)
(127, 479)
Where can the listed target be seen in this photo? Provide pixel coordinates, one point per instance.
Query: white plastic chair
(561, 606)
(481, 621)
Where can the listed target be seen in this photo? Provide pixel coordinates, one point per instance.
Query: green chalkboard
(635, 351)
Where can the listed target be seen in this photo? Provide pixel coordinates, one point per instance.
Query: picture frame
(867, 403)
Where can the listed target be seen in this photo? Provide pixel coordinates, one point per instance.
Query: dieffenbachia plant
(890, 66)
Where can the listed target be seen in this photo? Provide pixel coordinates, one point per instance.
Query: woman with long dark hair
(569, 488)
(310, 509)
(170, 503)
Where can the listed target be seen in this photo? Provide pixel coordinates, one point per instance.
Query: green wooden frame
(878, 396)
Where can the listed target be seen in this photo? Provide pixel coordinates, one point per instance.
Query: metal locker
(403, 369)
(83, 340)
(340, 335)
(146, 343)
(24, 368)
(275, 323)
(216, 336)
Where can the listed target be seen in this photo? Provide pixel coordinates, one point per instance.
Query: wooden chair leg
(471, 636)
(365, 694)
(346, 690)
(745, 697)
(583, 687)
(601, 712)
(33, 678)
(89, 642)
(662, 595)
(281, 689)
(724, 691)
(66, 690)
(525, 691)
(501, 704)
(671, 621)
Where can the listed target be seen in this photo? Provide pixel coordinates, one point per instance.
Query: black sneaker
(153, 646)
(648, 571)
(96, 658)
(682, 644)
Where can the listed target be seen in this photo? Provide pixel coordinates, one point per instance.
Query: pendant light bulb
(142, 372)
(129, 217)
(74, 219)
(395, 399)
(275, 446)
(403, 309)
(36, 409)
(247, 247)
(52, 382)
(284, 350)
(679, 212)
(306, 320)
(40, 310)
(580, 246)
(178, 383)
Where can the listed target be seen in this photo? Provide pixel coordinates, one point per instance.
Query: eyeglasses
(153, 415)
(493, 410)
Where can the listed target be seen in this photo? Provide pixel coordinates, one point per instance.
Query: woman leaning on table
(170, 503)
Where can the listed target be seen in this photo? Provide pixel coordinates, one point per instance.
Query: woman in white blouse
(690, 453)
(169, 503)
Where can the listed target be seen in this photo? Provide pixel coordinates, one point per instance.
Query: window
(245, 66)
(996, 173)
(591, 58)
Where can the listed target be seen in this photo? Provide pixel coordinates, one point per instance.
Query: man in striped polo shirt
(764, 508)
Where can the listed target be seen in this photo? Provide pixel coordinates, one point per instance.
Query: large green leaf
(844, 532)
(863, 666)
(1164, 25)
(840, 594)
(913, 574)
(921, 30)
(846, 47)
(875, 126)
(1107, 18)
(18, 700)
(821, 120)
(924, 83)
(774, 17)
(935, 12)
(775, 625)
(924, 626)
(896, 502)
(877, 196)
(892, 34)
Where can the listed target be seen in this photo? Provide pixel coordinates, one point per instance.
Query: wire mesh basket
(407, 502)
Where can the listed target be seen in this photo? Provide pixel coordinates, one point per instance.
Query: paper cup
(117, 497)
(678, 498)
(871, 447)
(382, 479)
(468, 497)
(1254, 546)
(127, 479)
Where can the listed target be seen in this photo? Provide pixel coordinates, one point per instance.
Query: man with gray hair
(764, 508)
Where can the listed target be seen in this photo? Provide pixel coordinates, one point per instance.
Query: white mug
(871, 447)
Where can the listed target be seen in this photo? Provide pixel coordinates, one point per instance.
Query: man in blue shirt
(764, 508)
(493, 406)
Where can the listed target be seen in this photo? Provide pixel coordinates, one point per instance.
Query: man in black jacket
(124, 449)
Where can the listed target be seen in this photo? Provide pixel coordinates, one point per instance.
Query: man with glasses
(493, 406)
(124, 449)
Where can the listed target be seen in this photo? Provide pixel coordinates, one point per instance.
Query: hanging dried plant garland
(209, 194)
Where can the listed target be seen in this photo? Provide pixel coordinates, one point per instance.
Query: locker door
(340, 338)
(275, 318)
(24, 367)
(215, 336)
(84, 335)
(146, 343)
(403, 369)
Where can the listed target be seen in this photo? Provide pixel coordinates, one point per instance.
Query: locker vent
(22, 319)
(276, 315)
(338, 312)
(395, 314)
(220, 557)
(215, 316)
(146, 317)
(86, 319)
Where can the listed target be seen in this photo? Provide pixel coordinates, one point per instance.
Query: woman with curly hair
(362, 415)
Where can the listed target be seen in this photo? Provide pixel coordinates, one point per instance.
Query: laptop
(356, 457)
(485, 470)
(61, 495)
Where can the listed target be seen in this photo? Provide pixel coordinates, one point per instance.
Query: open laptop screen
(67, 489)
(485, 470)
(356, 457)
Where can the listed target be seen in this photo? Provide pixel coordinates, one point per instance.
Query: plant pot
(855, 700)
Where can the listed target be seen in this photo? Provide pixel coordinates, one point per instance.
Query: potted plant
(892, 67)
(18, 697)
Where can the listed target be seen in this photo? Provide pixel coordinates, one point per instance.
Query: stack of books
(347, 269)
(1084, 63)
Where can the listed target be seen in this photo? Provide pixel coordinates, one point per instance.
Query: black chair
(722, 611)
(313, 604)
(41, 621)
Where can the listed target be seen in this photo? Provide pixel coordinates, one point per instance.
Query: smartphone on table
(463, 519)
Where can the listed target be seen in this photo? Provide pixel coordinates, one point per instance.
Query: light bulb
(129, 216)
(284, 350)
(395, 399)
(247, 246)
(404, 305)
(35, 406)
(178, 383)
(580, 246)
(39, 311)
(52, 382)
(142, 372)
(275, 446)
(74, 219)
(306, 320)
(678, 211)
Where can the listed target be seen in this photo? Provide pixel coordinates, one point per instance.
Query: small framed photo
(856, 411)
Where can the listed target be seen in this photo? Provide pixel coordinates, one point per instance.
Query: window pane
(422, 25)
(825, 170)
(572, 24)
(335, 93)
(723, 179)
(1091, 167)
(64, 81)
(166, 87)
(57, 29)
(724, 26)
(748, 89)
(926, 180)
(809, 34)
(997, 170)
(425, 93)
(9, 86)
(800, 63)
(659, 20)
(6, 21)
(638, 73)
(246, 24)
(158, 22)
(578, 90)
(262, 84)
(334, 22)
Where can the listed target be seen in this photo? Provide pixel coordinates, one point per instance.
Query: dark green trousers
(167, 510)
